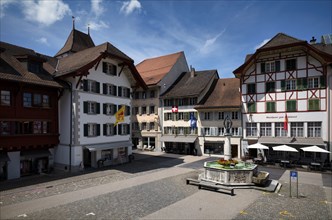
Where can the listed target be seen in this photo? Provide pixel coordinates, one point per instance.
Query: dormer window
(109, 69)
(290, 64)
(34, 67)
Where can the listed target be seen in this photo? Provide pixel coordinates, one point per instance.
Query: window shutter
(277, 66)
(299, 84)
(85, 85)
(322, 82)
(104, 67)
(104, 129)
(114, 90)
(262, 67)
(115, 130)
(85, 107)
(283, 85)
(128, 93)
(97, 87)
(98, 129)
(119, 91)
(104, 88)
(98, 108)
(86, 127)
(114, 70)
(104, 108)
(304, 83)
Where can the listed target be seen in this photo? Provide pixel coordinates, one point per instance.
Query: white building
(158, 73)
(100, 80)
(286, 76)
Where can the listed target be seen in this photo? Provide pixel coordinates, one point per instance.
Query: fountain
(228, 172)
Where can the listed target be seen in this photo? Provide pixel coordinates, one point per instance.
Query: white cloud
(262, 43)
(207, 47)
(43, 40)
(97, 25)
(130, 6)
(45, 12)
(96, 7)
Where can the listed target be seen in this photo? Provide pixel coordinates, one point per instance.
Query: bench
(208, 185)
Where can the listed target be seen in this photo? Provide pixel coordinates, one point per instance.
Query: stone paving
(153, 187)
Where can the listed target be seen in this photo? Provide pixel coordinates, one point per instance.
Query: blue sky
(213, 34)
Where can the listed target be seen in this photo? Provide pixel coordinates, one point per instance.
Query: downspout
(329, 113)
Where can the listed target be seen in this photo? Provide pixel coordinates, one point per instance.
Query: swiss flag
(286, 123)
(174, 108)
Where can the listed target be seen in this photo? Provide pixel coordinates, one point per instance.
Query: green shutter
(322, 82)
(98, 108)
(104, 108)
(262, 67)
(299, 84)
(97, 87)
(313, 104)
(104, 88)
(304, 83)
(85, 85)
(291, 105)
(277, 66)
(104, 67)
(104, 129)
(283, 85)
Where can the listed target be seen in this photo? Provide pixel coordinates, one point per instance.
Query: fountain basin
(239, 174)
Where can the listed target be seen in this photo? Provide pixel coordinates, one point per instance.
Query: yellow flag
(119, 115)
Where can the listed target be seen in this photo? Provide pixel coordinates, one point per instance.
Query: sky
(214, 34)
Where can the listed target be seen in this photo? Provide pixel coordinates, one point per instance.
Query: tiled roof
(225, 94)
(279, 40)
(326, 48)
(154, 69)
(187, 86)
(13, 70)
(76, 41)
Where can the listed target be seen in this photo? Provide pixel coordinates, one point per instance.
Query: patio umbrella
(284, 148)
(315, 149)
(258, 146)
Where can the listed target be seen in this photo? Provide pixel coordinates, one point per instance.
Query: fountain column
(228, 135)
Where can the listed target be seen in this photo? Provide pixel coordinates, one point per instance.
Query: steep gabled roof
(12, 69)
(80, 62)
(152, 70)
(279, 40)
(225, 94)
(188, 86)
(76, 41)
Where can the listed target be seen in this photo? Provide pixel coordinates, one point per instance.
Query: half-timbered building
(284, 95)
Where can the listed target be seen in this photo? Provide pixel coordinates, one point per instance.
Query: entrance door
(234, 150)
(86, 157)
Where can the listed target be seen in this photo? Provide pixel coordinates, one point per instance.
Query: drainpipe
(329, 113)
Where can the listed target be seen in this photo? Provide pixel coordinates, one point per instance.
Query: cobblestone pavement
(126, 192)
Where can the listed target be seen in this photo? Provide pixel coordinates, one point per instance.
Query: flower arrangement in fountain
(226, 163)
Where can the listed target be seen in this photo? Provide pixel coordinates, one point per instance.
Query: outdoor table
(315, 165)
(285, 162)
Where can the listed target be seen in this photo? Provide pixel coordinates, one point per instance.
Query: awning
(187, 139)
(4, 157)
(35, 153)
(107, 146)
(291, 141)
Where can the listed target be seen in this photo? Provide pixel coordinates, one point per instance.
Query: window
(91, 107)
(109, 129)
(168, 130)
(251, 129)
(291, 105)
(270, 107)
(265, 129)
(45, 127)
(251, 88)
(192, 101)
(207, 132)
(37, 127)
(35, 67)
(313, 82)
(27, 99)
(46, 101)
(143, 95)
(123, 129)
(135, 110)
(251, 107)
(273, 66)
(152, 94)
(221, 131)
(143, 126)
(5, 97)
(279, 130)
(37, 101)
(314, 129)
(109, 68)
(125, 92)
(144, 110)
(270, 87)
(297, 129)
(127, 110)
(152, 109)
(180, 116)
(91, 86)
(313, 104)
(235, 115)
(109, 89)
(151, 126)
(109, 109)
(168, 102)
(5, 128)
(214, 148)
(290, 64)
(221, 115)
(290, 84)
(180, 131)
(168, 116)
(91, 130)
(207, 116)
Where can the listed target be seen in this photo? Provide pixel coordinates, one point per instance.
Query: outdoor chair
(261, 178)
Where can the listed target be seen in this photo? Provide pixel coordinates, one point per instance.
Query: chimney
(313, 40)
(192, 71)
